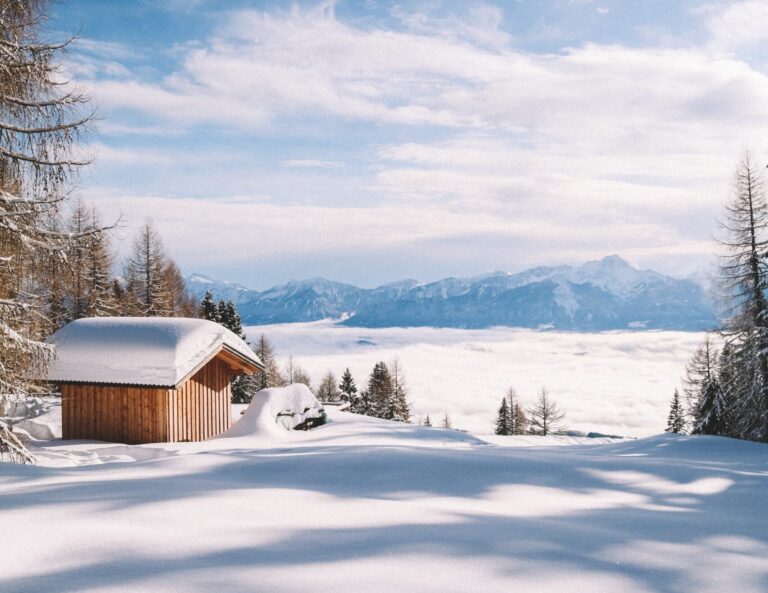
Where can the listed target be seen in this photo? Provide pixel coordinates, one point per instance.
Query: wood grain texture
(197, 410)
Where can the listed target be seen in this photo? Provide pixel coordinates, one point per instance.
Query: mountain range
(599, 295)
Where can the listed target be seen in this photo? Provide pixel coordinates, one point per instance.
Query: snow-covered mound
(38, 417)
(276, 410)
(156, 351)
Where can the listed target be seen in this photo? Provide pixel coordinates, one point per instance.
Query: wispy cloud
(738, 24)
(311, 164)
(460, 135)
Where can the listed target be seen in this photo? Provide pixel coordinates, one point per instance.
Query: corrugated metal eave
(110, 383)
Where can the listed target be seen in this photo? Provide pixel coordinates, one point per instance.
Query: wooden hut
(147, 380)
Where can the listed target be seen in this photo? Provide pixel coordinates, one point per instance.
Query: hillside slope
(366, 505)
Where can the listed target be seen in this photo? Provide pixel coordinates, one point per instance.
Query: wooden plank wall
(114, 413)
(202, 404)
(198, 410)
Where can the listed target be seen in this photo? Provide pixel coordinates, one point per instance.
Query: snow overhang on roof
(151, 351)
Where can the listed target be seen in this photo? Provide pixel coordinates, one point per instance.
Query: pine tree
(365, 404)
(676, 417)
(234, 323)
(502, 418)
(208, 308)
(224, 314)
(328, 391)
(381, 391)
(545, 416)
(427, 422)
(446, 422)
(348, 390)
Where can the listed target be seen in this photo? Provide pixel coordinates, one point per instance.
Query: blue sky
(373, 141)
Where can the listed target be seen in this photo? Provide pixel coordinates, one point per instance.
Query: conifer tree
(427, 422)
(381, 391)
(365, 405)
(502, 418)
(744, 282)
(145, 274)
(327, 390)
(348, 390)
(233, 317)
(271, 377)
(446, 422)
(118, 293)
(77, 255)
(700, 373)
(101, 300)
(41, 120)
(518, 422)
(295, 373)
(180, 302)
(224, 314)
(400, 406)
(676, 417)
(208, 308)
(545, 416)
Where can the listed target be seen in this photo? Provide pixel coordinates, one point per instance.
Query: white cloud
(597, 147)
(311, 163)
(738, 24)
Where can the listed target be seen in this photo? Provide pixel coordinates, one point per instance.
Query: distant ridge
(599, 295)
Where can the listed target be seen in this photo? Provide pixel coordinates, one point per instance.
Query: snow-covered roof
(153, 351)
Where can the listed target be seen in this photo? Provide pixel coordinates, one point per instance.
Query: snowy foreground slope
(363, 505)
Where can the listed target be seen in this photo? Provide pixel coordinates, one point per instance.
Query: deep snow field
(361, 505)
(610, 382)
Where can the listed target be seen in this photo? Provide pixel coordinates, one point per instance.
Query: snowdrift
(273, 411)
(38, 417)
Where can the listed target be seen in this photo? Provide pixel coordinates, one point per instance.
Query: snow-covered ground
(611, 382)
(364, 505)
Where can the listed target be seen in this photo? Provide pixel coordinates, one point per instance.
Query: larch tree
(77, 256)
(101, 301)
(271, 377)
(700, 373)
(145, 274)
(180, 302)
(295, 373)
(743, 275)
(41, 121)
(545, 416)
(676, 416)
(518, 421)
(328, 390)
(400, 406)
